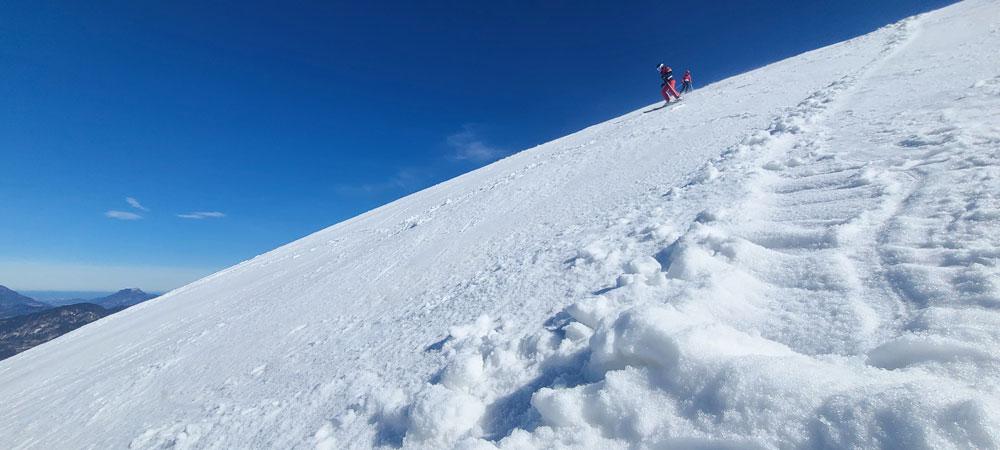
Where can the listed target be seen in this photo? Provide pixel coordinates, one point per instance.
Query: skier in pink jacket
(667, 75)
(686, 82)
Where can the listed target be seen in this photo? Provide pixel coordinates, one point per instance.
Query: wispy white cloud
(198, 215)
(465, 145)
(469, 146)
(135, 204)
(406, 179)
(122, 215)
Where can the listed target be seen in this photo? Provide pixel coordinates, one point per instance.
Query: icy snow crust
(804, 256)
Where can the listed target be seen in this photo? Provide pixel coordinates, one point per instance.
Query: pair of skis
(665, 105)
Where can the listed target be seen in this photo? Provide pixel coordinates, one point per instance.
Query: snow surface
(803, 256)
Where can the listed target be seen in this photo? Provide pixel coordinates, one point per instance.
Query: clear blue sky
(281, 118)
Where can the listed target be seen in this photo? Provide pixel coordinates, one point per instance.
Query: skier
(686, 82)
(667, 74)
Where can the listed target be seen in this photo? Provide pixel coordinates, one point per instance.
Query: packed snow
(803, 256)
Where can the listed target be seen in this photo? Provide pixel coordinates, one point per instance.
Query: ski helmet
(659, 66)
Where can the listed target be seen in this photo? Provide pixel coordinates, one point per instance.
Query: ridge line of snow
(588, 352)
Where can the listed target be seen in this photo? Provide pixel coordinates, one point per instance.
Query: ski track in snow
(696, 339)
(827, 279)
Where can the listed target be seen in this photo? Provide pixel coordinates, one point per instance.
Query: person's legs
(672, 90)
(664, 91)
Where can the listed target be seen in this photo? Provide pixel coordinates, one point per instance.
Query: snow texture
(804, 264)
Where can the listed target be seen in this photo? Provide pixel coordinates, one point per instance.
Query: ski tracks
(800, 299)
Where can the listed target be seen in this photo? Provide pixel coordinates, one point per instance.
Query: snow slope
(805, 255)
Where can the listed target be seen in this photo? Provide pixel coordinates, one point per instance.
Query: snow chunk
(440, 416)
(463, 372)
(481, 327)
(592, 311)
(643, 265)
(578, 332)
(639, 337)
(913, 350)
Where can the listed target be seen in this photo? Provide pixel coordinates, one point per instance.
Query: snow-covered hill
(805, 255)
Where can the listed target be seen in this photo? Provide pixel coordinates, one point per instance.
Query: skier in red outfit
(686, 82)
(667, 74)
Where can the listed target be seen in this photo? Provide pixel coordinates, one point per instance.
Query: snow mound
(760, 326)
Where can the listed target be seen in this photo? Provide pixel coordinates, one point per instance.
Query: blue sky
(150, 143)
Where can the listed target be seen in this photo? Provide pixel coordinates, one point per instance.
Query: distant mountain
(14, 304)
(63, 298)
(123, 298)
(25, 322)
(20, 333)
(66, 301)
